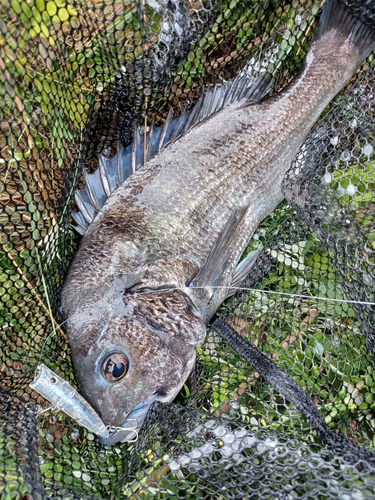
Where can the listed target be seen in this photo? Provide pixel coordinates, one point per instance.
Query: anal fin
(243, 269)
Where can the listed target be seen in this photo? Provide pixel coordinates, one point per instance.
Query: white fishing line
(245, 289)
(51, 335)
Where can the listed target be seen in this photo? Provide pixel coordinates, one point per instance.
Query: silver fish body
(142, 285)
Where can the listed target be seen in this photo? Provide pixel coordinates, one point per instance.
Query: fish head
(131, 365)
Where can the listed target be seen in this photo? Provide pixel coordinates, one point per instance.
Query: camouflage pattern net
(76, 77)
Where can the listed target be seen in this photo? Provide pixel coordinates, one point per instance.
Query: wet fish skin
(128, 287)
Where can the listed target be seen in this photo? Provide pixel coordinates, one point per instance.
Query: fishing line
(50, 336)
(244, 289)
(292, 295)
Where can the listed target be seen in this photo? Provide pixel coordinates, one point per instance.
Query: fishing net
(77, 76)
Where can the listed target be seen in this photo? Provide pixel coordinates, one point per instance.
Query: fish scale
(164, 247)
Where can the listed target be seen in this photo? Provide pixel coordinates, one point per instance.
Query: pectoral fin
(218, 260)
(221, 274)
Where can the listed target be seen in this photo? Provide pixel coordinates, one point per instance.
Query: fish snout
(113, 416)
(129, 429)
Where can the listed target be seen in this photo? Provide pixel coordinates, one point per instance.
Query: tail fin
(355, 19)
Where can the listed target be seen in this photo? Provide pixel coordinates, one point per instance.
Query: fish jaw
(129, 430)
(159, 354)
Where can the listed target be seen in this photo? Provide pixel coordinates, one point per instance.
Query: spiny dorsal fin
(114, 171)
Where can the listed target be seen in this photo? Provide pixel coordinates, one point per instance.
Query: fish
(164, 231)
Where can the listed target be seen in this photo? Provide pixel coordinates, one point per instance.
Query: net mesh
(77, 76)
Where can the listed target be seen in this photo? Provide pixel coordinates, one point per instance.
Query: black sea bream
(134, 314)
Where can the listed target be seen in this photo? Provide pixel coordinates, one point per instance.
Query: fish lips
(128, 432)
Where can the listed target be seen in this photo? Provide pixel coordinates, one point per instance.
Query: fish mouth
(129, 429)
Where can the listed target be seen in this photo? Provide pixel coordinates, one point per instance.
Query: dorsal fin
(114, 171)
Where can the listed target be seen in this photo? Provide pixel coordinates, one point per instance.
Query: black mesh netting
(77, 76)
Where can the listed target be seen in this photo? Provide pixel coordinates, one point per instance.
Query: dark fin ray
(118, 162)
(84, 204)
(356, 24)
(81, 223)
(179, 127)
(155, 134)
(217, 261)
(173, 123)
(258, 91)
(103, 175)
(125, 160)
(164, 131)
(150, 140)
(114, 171)
(191, 119)
(242, 270)
(95, 190)
(137, 150)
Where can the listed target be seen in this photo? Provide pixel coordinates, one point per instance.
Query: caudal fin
(355, 19)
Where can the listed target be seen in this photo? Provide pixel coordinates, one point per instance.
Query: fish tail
(354, 19)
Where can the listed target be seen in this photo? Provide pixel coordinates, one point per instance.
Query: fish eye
(115, 366)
